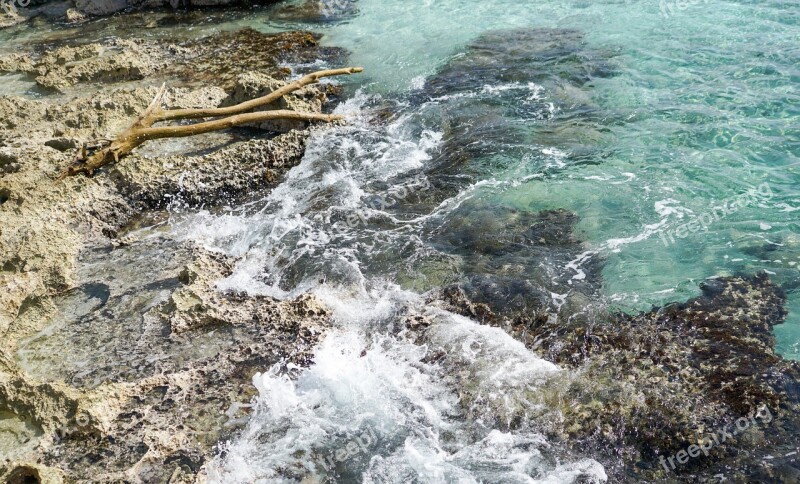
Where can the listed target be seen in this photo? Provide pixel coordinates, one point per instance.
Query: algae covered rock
(651, 385)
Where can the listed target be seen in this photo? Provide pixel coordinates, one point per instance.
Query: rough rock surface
(158, 391)
(107, 7)
(79, 8)
(656, 383)
(218, 60)
(77, 11)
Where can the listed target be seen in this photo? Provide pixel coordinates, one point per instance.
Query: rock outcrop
(120, 361)
(217, 60)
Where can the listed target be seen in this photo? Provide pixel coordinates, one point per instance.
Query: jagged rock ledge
(117, 397)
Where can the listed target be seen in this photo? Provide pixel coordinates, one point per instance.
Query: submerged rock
(651, 385)
(317, 11)
(506, 57)
(512, 96)
(512, 264)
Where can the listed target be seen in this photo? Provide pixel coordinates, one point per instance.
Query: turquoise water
(702, 107)
(673, 139)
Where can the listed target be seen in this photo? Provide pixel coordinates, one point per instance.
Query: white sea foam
(379, 386)
(366, 379)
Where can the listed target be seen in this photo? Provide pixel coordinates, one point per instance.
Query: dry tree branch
(270, 98)
(230, 122)
(142, 129)
(141, 121)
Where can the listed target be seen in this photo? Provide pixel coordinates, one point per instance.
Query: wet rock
(653, 384)
(497, 246)
(221, 58)
(317, 11)
(543, 56)
(514, 95)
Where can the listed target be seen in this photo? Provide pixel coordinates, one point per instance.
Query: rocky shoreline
(651, 385)
(15, 12)
(77, 12)
(110, 424)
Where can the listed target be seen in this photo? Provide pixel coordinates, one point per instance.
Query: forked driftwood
(142, 129)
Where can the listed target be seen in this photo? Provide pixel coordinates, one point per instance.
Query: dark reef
(671, 378)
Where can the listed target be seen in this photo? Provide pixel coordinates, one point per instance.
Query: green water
(703, 106)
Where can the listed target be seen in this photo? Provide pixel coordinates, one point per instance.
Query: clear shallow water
(646, 123)
(702, 107)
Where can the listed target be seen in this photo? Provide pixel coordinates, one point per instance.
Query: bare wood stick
(142, 129)
(254, 103)
(133, 138)
(155, 104)
(230, 122)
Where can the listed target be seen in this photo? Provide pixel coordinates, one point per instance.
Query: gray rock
(108, 7)
(102, 7)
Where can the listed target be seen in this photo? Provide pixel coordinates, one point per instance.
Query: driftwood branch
(142, 129)
(270, 98)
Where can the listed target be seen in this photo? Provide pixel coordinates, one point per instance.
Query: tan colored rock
(24, 472)
(46, 227)
(9, 18)
(75, 16)
(67, 66)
